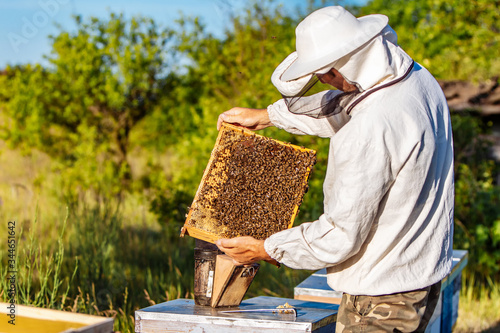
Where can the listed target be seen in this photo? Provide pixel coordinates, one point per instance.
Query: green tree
(477, 198)
(453, 39)
(102, 82)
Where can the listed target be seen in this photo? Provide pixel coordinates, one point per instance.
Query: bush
(477, 198)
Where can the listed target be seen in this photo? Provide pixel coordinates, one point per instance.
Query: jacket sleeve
(303, 124)
(355, 185)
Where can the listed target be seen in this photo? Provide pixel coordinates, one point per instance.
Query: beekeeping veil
(364, 50)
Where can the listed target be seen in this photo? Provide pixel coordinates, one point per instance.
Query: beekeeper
(385, 236)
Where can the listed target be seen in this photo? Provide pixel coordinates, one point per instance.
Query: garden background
(103, 147)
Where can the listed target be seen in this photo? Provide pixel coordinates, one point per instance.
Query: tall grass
(479, 308)
(102, 265)
(98, 265)
(39, 274)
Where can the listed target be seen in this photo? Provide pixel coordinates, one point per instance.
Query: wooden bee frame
(252, 186)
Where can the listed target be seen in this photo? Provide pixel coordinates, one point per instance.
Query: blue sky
(26, 24)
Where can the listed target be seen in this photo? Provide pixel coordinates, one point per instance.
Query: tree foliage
(477, 198)
(453, 39)
(102, 82)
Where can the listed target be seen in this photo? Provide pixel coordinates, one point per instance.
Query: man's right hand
(253, 119)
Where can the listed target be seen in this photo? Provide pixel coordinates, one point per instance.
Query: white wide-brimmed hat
(327, 35)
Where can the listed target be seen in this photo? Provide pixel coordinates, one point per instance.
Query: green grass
(479, 308)
(100, 264)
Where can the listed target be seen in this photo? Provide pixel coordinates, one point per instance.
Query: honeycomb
(252, 186)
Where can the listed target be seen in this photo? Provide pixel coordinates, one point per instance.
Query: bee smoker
(205, 255)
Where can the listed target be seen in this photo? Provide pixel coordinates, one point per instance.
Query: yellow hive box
(30, 319)
(252, 186)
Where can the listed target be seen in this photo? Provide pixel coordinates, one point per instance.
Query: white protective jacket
(387, 224)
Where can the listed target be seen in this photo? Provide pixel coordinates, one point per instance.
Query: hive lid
(252, 186)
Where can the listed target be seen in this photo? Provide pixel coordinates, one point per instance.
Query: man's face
(335, 79)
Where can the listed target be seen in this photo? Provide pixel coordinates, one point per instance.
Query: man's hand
(244, 250)
(253, 119)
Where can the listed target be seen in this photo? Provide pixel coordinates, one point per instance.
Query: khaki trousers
(401, 312)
